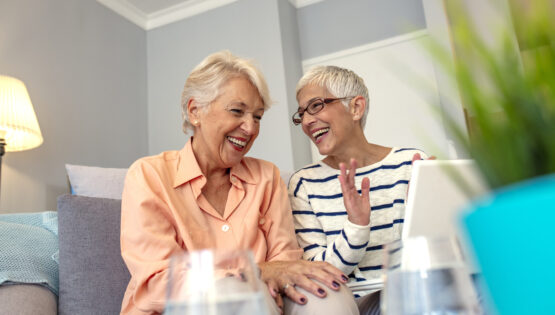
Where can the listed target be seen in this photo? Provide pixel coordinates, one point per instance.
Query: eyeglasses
(314, 107)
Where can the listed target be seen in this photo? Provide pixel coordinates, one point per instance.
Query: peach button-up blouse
(164, 212)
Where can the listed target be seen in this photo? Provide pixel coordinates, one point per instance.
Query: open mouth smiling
(319, 133)
(238, 144)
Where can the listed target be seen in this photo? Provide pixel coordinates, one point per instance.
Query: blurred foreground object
(507, 85)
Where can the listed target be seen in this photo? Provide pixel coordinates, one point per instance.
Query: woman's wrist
(360, 221)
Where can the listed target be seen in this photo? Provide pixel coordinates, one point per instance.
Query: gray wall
(278, 37)
(85, 70)
(248, 28)
(106, 92)
(334, 25)
(300, 144)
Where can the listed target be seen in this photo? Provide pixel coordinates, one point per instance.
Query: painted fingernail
(303, 300)
(335, 284)
(322, 292)
(344, 278)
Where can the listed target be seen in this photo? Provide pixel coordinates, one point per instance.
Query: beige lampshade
(18, 122)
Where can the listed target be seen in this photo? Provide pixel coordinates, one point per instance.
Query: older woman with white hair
(349, 205)
(208, 195)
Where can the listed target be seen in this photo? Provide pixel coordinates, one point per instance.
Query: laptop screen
(438, 193)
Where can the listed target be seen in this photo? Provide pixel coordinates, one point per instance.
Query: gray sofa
(92, 274)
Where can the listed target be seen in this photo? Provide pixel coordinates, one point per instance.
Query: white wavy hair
(204, 82)
(338, 81)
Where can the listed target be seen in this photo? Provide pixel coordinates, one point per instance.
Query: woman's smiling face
(228, 126)
(328, 128)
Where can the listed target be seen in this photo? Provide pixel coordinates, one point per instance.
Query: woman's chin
(323, 149)
(234, 158)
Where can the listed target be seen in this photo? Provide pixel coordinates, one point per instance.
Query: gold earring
(195, 122)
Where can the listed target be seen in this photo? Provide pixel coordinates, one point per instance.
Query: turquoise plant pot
(512, 233)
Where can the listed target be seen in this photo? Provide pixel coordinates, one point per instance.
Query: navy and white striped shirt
(321, 224)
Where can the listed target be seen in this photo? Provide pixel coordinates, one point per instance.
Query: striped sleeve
(344, 252)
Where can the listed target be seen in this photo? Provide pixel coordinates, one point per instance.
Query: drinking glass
(214, 282)
(427, 276)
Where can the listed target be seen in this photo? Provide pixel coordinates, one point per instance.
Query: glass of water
(427, 276)
(214, 282)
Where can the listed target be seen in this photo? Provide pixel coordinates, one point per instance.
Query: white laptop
(435, 199)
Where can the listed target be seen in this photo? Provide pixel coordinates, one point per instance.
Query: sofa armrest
(27, 299)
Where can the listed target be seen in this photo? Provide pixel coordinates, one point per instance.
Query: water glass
(427, 276)
(214, 282)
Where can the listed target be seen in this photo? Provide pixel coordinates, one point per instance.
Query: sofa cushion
(93, 276)
(27, 299)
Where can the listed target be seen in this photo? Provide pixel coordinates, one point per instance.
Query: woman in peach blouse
(209, 195)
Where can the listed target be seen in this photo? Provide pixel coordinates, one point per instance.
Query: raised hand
(357, 205)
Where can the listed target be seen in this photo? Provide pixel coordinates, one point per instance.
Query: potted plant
(509, 95)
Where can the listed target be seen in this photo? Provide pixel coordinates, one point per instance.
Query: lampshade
(18, 124)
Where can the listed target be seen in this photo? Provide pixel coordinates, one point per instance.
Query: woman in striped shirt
(347, 206)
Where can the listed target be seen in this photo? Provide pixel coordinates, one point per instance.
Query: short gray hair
(338, 81)
(206, 79)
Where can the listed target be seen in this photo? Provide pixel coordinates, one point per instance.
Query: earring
(195, 122)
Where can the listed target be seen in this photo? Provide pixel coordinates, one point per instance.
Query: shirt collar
(243, 172)
(188, 168)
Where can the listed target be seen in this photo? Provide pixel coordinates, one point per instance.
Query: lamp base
(2, 149)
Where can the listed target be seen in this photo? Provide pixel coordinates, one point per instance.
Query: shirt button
(225, 227)
(261, 221)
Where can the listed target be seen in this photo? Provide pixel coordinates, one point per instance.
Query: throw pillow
(92, 181)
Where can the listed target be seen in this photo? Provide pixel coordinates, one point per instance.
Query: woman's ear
(358, 106)
(193, 111)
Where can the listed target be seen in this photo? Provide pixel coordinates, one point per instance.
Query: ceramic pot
(512, 233)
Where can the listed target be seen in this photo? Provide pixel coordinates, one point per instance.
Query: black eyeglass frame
(298, 115)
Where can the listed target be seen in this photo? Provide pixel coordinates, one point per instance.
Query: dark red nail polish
(303, 300)
(335, 284)
(321, 291)
(344, 278)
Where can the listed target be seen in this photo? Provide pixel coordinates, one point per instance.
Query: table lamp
(19, 128)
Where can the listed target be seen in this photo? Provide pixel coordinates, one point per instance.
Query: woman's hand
(284, 276)
(417, 157)
(357, 205)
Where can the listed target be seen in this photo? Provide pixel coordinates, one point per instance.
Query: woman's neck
(361, 150)
(207, 166)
